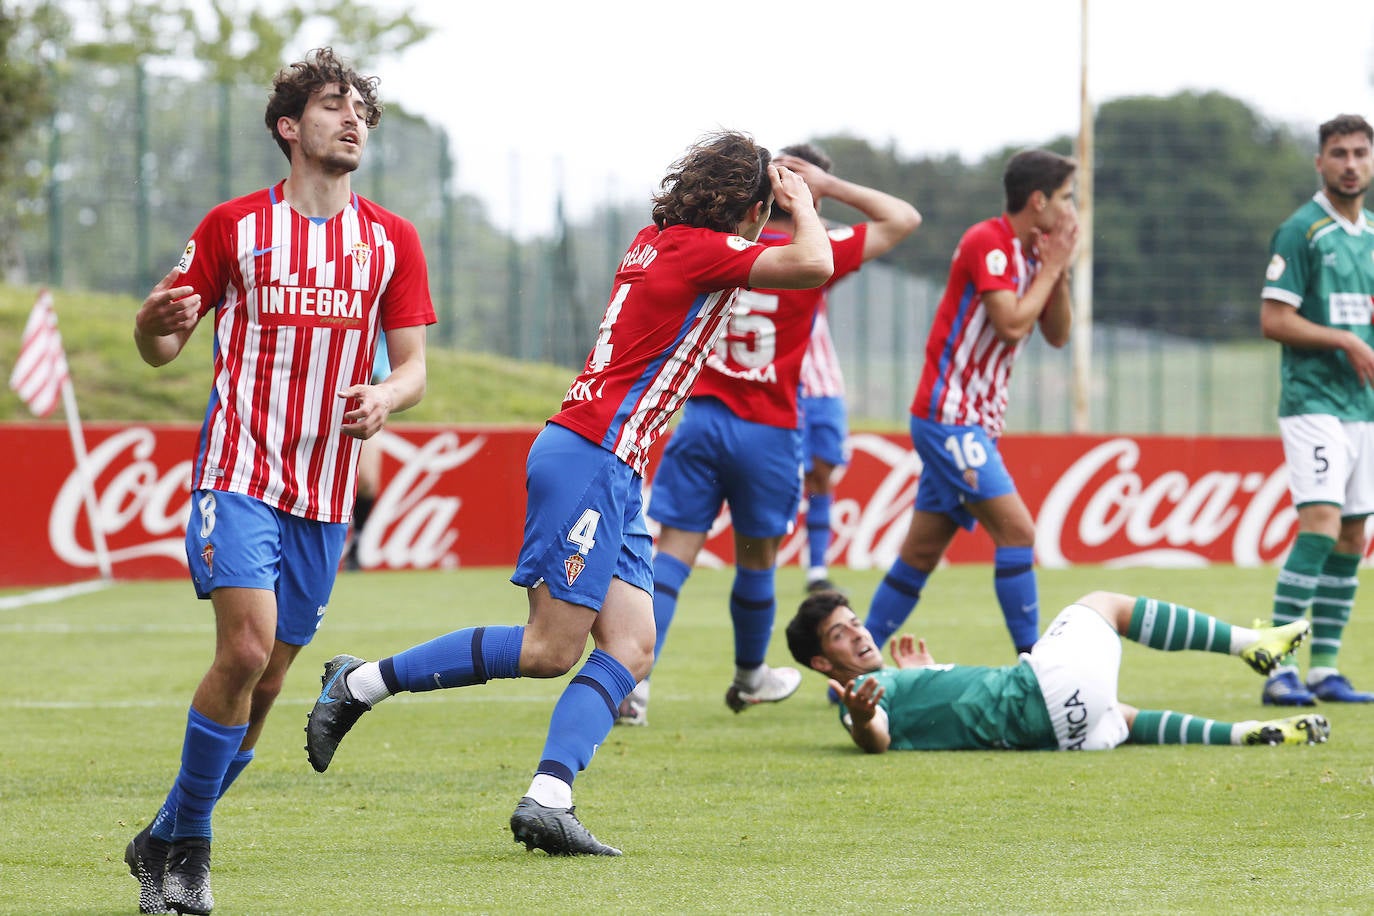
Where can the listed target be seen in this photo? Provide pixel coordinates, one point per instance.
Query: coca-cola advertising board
(454, 496)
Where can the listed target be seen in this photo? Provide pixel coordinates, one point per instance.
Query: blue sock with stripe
(167, 815)
(1014, 581)
(236, 766)
(205, 755)
(894, 600)
(584, 714)
(818, 528)
(753, 605)
(473, 655)
(669, 575)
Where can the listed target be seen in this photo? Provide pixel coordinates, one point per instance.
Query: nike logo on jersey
(259, 252)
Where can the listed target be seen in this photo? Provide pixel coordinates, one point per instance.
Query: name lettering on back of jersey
(305, 306)
(584, 390)
(1349, 308)
(639, 256)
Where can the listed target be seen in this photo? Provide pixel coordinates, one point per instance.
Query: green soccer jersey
(1324, 266)
(965, 707)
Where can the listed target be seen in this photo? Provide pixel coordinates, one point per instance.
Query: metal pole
(1083, 271)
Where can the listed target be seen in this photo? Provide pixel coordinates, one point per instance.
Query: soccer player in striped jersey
(1318, 302)
(585, 560)
(1059, 696)
(739, 445)
(301, 278)
(1009, 275)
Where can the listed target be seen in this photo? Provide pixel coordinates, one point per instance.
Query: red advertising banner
(454, 496)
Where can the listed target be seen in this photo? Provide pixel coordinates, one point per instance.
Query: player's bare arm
(370, 406)
(1281, 322)
(807, 261)
(890, 219)
(165, 320)
(867, 722)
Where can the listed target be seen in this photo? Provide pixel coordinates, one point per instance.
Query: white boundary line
(49, 595)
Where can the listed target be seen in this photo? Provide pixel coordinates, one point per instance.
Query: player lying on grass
(1062, 694)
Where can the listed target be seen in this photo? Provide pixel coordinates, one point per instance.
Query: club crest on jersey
(997, 262)
(1275, 269)
(361, 252)
(971, 478)
(739, 243)
(207, 554)
(573, 566)
(187, 257)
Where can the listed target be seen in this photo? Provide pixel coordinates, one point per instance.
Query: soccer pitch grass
(769, 811)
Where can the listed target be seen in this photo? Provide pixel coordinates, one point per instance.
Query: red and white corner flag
(41, 379)
(42, 366)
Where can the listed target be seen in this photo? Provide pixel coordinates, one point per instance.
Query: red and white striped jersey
(964, 381)
(756, 368)
(821, 376)
(669, 303)
(299, 304)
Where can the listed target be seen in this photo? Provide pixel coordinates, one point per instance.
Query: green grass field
(771, 811)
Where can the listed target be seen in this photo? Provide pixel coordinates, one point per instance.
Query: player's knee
(548, 659)
(244, 660)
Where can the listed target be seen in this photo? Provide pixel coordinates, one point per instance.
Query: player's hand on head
(169, 308)
(814, 176)
(790, 190)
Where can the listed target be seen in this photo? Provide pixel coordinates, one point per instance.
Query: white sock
(1317, 675)
(817, 573)
(1242, 638)
(550, 791)
(1240, 728)
(365, 682)
(749, 678)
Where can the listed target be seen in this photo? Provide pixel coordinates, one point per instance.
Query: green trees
(1188, 190)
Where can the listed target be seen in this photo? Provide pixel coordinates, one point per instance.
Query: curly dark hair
(803, 634)
(714, 184)
(1343, 125)
(295, 84)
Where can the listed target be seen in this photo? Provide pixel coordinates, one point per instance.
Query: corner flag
(42, 365)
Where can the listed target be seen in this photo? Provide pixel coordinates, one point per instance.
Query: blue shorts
(960, 465)
(714, 457)
(825, 427)
(237, 541)
(584, 520)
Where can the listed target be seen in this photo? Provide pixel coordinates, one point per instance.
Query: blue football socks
(584, 714)
(1014, 581)
(670, 574)
(894, 600)
(753, 605)
(473, 655)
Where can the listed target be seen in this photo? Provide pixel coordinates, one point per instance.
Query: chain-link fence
(132, 161)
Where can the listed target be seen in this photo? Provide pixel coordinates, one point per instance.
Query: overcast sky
(608, 94)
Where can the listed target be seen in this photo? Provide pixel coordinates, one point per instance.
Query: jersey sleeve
(717, 260)
(987, 260)
(1285, 279)
(847, 248)
(207, 263)
(406, 302)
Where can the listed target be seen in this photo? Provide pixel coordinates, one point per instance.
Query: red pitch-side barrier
(454, 496)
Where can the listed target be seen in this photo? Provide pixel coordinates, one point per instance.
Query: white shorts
(1329, 461)
(1076, 663)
